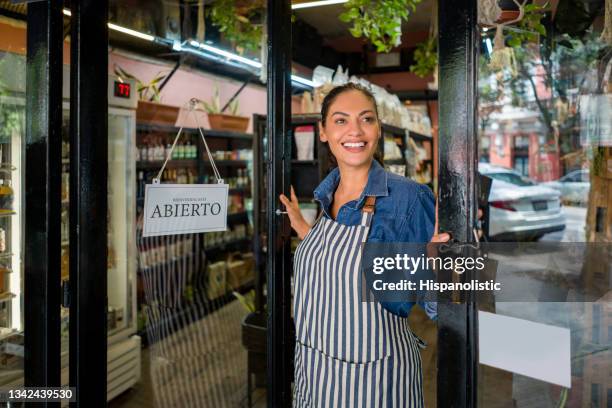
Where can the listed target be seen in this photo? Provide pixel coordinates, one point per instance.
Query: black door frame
(279, 176)
(88, 201)
(43, 161)
(457, 191)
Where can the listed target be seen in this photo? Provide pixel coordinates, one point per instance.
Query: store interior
(187, 313)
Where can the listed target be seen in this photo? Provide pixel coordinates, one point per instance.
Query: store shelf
(172, 164)
(171, 262)
(6, 296)
(239, 190)
(224, 134)
(5, 333)
(226, 245)
(419, 136)
(305, 162)
(65, 161)
(65, 243)
(233, 217)
(7, 214)
(394, 161)
(227, 162)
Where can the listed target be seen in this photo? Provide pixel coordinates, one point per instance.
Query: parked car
(574, 187)
(519, 208)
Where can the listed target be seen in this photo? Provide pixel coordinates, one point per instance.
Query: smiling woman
(357, 346)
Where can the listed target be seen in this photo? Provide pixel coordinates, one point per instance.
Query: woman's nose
(355, 128)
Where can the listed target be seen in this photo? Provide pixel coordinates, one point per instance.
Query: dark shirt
(404, 212)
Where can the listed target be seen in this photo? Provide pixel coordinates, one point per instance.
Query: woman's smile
(354, 147)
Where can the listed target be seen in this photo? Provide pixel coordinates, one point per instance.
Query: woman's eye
(339, 121)
(369, 119)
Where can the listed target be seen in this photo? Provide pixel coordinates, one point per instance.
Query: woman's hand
(298, 223)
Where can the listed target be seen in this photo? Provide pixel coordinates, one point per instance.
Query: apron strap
(367, 212)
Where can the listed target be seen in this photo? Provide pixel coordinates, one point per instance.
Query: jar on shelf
(6, 197)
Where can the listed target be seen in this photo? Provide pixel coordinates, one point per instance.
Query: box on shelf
(216, 285)
(239, 268)
(220, 121)
(156, 113)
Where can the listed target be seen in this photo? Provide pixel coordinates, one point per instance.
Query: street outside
(575, 221)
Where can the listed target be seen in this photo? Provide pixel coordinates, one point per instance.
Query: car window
(512, 179)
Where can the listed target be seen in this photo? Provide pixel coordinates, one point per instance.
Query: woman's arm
(298, 223)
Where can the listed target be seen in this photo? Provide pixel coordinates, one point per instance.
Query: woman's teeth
(359, 144)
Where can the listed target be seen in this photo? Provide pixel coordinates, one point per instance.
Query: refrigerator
(124, 355)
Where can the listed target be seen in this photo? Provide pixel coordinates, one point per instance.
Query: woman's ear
(322, 135)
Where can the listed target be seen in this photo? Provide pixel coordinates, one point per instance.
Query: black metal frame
(457, 324)
(279, 233)
(88, 200)
(43, 195)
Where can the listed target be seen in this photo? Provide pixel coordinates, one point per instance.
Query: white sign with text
(172, 209)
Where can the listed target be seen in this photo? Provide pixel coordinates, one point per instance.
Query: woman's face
(351, 129)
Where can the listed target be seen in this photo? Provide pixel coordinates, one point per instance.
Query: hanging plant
(530, 27)
(377, 20)
(426, 53)
(425, 58)
(240, 22)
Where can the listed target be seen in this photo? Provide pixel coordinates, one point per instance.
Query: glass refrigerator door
(12, 129)
(121, 224)
(121, 261)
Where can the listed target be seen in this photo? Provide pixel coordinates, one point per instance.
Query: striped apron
(348, 353)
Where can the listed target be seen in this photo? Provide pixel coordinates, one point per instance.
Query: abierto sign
(172, 209)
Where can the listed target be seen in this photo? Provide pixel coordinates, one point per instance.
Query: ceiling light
(121, 29)
(303, 81)
(316, 4)
(176, 46)
(226, 54)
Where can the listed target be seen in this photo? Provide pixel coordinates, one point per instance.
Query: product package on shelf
(216, 284)
(240, 267)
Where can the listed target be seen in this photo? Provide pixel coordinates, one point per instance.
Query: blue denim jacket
(405, 212)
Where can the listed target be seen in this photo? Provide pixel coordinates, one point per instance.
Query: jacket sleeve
(418, 228)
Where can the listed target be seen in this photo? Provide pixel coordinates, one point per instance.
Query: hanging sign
(184, 209)
(172, 209)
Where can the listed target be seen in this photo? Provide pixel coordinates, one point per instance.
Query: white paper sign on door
(520, 346)
(172, 209)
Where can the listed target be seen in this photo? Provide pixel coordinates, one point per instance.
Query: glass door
(12, 135)
(545, 132)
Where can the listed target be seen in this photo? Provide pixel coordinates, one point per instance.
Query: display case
(123, 346)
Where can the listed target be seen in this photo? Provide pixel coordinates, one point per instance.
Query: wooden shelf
(172, 164)
(222, 134)
(419, 136)
(225, 245)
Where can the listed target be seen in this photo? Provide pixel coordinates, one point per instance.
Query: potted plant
(240, 22)
(150, 110)
(222, 121)
(378, 21)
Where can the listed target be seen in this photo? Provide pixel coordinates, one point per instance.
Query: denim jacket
(404, 212)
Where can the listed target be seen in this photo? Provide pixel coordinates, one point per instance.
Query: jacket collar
(376, 186)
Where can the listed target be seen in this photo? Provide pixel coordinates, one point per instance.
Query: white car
(574, 187)
(520, 209)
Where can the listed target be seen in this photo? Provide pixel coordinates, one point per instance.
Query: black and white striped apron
(348, 353)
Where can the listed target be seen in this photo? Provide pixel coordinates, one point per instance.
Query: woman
(351, 353)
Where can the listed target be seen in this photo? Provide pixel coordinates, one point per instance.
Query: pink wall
(186, 84)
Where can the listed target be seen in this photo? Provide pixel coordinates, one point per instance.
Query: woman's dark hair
(331, 97)
(335, 92)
